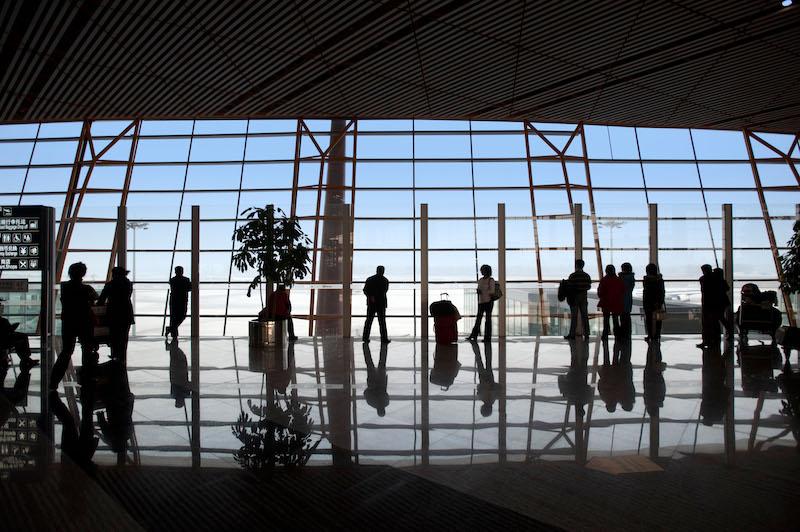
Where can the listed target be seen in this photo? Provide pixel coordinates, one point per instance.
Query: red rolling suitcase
(445, 321)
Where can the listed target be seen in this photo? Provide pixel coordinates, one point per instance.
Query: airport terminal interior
(244, 251)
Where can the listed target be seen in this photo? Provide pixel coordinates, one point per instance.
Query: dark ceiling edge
(712, 127)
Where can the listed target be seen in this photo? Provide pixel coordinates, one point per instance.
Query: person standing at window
(579, 284)
(179, 289)
(117, 292)
(629, 281)
(652, 301)
(77, 323)
(611, 292)
(375, 289)
(486, 291)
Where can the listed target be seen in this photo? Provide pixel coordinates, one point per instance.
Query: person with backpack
(488, 293)
(578, 285)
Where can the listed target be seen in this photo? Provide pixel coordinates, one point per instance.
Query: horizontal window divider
(317, 160)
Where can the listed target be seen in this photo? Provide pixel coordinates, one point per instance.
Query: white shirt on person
(486, 289)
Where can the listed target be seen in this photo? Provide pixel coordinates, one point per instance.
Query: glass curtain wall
(461, 169)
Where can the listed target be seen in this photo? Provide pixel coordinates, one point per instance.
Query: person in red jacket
(611, 293)
(280, 308)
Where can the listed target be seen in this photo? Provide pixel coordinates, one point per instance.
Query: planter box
(267, 333)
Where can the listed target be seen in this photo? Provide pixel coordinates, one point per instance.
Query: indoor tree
(274, 246)
(790, 263)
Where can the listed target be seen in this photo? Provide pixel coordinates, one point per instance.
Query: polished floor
(447, 413)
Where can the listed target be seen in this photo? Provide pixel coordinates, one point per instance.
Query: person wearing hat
(117, 293)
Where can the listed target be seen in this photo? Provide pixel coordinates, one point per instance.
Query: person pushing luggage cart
(445, 320)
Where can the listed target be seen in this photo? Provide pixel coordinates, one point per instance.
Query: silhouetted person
(579, 284)
(280, 309)
(486, 291)
(10, 338)
(117, 294)
(77, 323)
(487, 387)
(179, 289)
(377, 381)
(375, 289)
(653, 296)
(725, 302)
(629, 281)
(715, 302)
(611, 295)
(715, 395)
(179, 387)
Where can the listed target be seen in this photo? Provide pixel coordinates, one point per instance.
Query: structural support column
(577, 224)
(122, 236)
(652, 216)
(347, 271)
(501, 268)
(727, 244)
(423, 271)
(195, 336)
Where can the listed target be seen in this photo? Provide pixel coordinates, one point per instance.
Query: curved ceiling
(679, 63)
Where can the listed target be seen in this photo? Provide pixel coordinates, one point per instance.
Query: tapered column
(423, 269)
(652, 216)
(577, 224)
(195, 336)
(122, 236)
(501, 268)
(347, 271)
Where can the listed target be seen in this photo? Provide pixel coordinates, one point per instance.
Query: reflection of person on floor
(79, 447)
(11, 339)
(487, 388)
(179, 386)
(117, 294)
(77, 323)
(579, 284)
(117, 420)
(280, 309)
(179, 289)
(655, 389)
(576, 390)
(616, 376)
(377, 381)
(11, 397)
(375, 288)
(714, 399)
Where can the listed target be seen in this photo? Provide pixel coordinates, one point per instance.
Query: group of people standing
(80, 304)
(615, 299)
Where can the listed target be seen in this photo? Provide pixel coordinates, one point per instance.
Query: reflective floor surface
(453, 414)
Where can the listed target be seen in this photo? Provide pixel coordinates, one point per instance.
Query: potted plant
(790, 263)
(273, 246)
